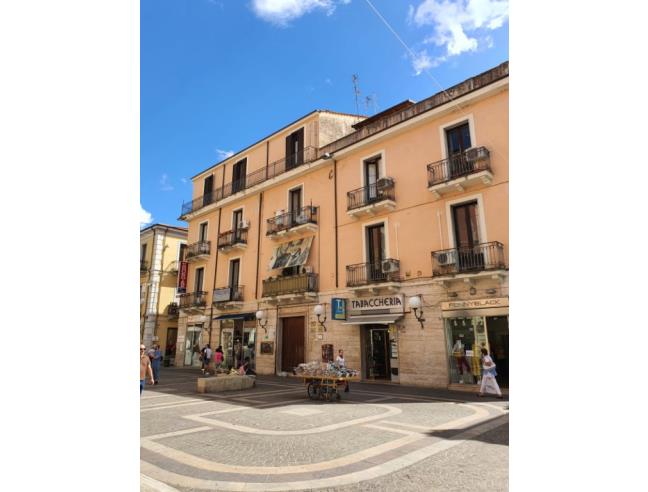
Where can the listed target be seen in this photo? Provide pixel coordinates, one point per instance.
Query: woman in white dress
(489, 383)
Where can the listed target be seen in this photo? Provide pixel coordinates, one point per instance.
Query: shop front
(238, 339)
(473, 325)
(377, 318)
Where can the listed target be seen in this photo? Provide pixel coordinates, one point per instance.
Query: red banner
(183, 273)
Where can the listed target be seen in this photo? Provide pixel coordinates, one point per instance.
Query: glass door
(227, 345)
(377, 352)
(192, 346)
(497, 327)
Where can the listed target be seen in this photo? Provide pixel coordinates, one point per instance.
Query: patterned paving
(272, 437)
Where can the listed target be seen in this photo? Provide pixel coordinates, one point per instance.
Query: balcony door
(295, 205)
(198, 284)
(371, 175)
(295, 149)
(237, 218)
(202, 235)
(238, 176)
(466, 230)
(234, 270)
(375, 251)
(458, 141)
(208, 188)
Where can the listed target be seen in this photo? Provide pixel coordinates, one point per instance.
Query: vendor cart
(325, 388)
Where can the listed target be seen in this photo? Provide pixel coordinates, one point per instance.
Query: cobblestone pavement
(272, 437)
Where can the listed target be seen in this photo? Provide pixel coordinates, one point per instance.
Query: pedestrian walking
(145, 368)
(218, 356)
(156, 361)
(489, 383)
(206, 357)
(341, 363)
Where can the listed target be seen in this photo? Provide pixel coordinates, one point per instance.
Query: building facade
(368, 218)
(162, 249)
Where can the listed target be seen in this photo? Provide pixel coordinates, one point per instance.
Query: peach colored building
(368, 218)
(161, 249)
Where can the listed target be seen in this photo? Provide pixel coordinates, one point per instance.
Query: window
(183, 252)
(371, 175)
(208, 188)
(143, 253)
(294, 205)
(458, 141)
(234, 269)
(202, 235)
(375, 251)
(198, 285)
(466, 232)
(295, 149)
(238, 176)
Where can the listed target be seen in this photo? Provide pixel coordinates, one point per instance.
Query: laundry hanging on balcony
(293, 253)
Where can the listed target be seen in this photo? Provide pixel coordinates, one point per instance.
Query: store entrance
(292, 342)
(376, 351)
(499, 351)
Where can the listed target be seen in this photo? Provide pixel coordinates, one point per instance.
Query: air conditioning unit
(389, 266)
(307, 269)
(244, 224)
(384, 182)
(445, 259)
(476, 154)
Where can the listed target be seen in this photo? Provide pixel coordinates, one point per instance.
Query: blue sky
(217, 76)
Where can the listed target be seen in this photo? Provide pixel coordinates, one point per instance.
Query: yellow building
(161, 250)
(361, 220)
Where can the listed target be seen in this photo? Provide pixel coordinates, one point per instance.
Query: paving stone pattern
(271, 437)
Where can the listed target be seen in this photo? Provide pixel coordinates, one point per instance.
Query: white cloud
(224, 154)
(145, 217)
(184, 180)
(164, 183)
(454, 22)
(281, 12)
(328, 81)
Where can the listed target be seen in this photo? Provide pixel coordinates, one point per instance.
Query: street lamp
(319, 311)
(415, 305)
(261, 319)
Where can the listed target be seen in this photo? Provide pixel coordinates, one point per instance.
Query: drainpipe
(211, 309)
(157, 306)
(336, 221)
(256, 278)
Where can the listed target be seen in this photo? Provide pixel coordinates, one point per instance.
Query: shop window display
(466, 337)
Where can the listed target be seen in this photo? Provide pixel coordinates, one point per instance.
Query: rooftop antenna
(370, 103)
(356, 92)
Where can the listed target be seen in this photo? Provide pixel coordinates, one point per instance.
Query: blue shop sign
(338, 308)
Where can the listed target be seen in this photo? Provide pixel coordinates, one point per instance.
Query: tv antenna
(356, 92)
(370, 103)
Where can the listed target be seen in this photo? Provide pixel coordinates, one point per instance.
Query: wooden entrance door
(292, 343)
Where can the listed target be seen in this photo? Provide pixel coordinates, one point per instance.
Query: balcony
(272, 170)
(293, 224)
(173, 310)
(467, 263)
(198, 251)
(193, 301)
(228, 297)
(295, 287)
(371, 278)
(232, 240)
(144, 266)
(373, 199)
(459, 172)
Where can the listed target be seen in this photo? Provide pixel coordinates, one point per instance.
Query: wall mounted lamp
(261, 319)
(319, 311)
(415, 305)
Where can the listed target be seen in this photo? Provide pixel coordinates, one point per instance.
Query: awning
(243, 316)
(292, 253)
(373, 319)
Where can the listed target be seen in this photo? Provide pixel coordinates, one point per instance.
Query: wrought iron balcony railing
(387, 270)
(230, 238)
(306, 282)
(283, 222)
(381, 190)
(484, 256)
(468, 162)
(309, 154)
(228, 294)
(173, 309)
(144, 266)
(193, 299)
(198, 249)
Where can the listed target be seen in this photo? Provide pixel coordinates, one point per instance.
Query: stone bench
(216, 384)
